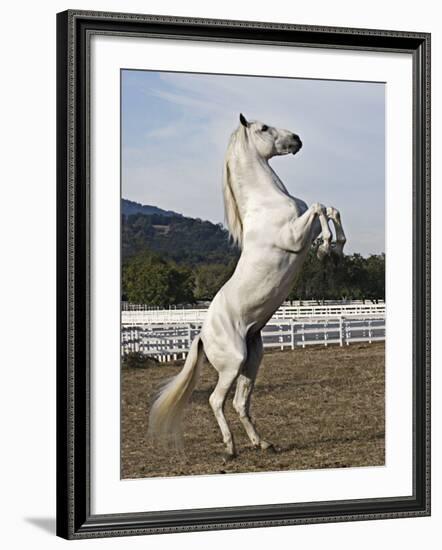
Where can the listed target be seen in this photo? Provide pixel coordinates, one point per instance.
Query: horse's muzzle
(297, 146)
(298, 143)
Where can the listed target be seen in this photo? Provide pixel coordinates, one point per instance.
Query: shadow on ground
(46, 524)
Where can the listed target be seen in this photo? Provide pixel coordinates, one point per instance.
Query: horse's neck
(256, 183)
(277, 182)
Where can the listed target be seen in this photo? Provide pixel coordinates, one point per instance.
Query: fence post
(292, 334)
(341, 329)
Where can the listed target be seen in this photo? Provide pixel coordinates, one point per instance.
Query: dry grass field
(320, 407)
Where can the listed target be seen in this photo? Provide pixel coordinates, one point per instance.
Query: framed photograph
(243, 274)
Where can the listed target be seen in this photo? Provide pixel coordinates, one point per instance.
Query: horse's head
(270, 141)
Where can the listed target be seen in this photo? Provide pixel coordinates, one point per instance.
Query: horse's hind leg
(334, 215)
(228, 367)
(244, 388)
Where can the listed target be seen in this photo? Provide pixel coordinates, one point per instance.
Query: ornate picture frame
(75, 517)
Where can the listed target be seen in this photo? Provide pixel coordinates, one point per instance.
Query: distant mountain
(131, 207)
(173, 236)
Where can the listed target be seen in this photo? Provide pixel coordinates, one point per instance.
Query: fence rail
(285, 312)
(128, 306)
(171, 341)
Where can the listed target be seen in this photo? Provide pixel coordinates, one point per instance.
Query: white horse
(275, 232)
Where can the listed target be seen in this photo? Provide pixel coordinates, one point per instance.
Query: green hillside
(175, 237)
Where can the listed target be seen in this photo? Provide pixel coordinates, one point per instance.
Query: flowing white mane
(231, 210)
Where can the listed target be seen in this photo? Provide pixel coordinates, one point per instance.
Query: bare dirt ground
(320, 407)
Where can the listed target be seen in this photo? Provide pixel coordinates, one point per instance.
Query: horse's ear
(243, 120)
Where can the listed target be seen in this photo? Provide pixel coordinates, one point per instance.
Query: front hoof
(322, 252)
(339, 250)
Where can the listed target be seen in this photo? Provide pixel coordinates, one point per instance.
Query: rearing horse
(275, 232)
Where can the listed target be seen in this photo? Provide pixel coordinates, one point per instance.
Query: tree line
(150, 278)
(170, 259)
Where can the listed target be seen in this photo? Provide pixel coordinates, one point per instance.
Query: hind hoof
(228, 457)
(266, 446)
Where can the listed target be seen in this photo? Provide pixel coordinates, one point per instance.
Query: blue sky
(175, 129)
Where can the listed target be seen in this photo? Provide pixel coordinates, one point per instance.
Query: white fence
(169, 341)
(285, 312)
(128, 306)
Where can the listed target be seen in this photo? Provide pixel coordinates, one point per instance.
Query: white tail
(167, 411)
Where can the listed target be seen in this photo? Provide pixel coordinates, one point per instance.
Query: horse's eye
(264, 128)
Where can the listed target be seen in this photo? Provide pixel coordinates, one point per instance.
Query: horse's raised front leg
(301, 232)
(244, 389)
(334, 215)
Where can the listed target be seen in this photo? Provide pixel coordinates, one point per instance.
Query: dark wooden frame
(74, 519)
